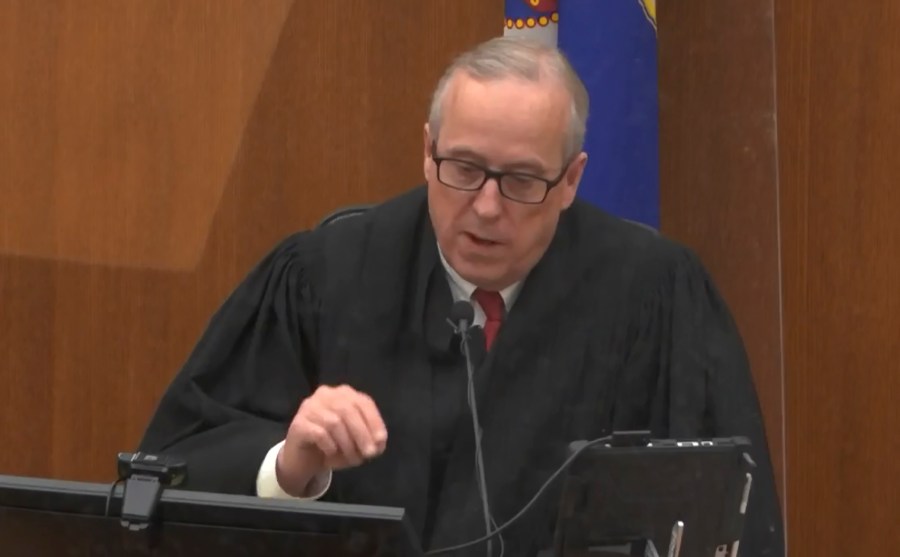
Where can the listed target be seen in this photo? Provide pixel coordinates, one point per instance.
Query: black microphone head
(462, 311)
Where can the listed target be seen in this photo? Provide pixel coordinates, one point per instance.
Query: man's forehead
(519, 106)
(505, 120)
(464, 85)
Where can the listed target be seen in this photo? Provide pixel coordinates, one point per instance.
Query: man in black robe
(332, 372)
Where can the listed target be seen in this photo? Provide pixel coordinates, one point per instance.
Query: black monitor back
(617, 494)
(41, 517)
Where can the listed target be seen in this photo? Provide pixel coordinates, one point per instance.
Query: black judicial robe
(615, 328)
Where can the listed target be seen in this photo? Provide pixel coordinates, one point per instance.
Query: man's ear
(572, 179)
(426, 159)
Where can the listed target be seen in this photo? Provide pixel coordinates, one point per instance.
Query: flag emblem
(535, 19)
(649, 11)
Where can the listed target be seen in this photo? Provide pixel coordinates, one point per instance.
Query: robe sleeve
(690, 358)
(240, 387)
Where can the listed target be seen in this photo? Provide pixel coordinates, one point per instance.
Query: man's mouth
(480, 240)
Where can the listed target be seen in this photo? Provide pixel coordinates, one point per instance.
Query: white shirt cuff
(267, 480)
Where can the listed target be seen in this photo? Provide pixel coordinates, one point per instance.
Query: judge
(332, 371)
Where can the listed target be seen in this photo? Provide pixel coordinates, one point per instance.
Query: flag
(612, 46)
(534, 19)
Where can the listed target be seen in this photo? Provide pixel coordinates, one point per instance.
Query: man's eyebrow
(524, 165)
(530, 166)
(465, 153)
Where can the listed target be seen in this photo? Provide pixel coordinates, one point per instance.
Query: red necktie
(491, 303)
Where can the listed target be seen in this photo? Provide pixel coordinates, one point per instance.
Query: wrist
(293, 475)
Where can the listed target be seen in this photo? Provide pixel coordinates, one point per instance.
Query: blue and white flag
(612, 45)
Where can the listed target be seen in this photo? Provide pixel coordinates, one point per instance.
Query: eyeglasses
(518, 186)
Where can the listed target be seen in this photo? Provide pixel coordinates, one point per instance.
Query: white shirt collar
(463, 289)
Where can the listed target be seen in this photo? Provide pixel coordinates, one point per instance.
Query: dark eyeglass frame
(498, 176)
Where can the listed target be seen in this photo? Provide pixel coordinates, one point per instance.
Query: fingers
(362, 419)
(336, 428)
(373, 421)
(344, 424)
(359, 431)
(320, 437)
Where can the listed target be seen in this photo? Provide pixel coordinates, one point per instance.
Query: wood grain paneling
(718, 170)
(150, 153)
(839, 124)
(127, 116)
(836, 99)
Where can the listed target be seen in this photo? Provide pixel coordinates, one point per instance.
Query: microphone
(462, 315)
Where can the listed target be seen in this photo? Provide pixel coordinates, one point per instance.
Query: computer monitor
(43, 517)
(690, 494)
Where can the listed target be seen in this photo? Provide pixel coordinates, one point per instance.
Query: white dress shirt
(461, 289)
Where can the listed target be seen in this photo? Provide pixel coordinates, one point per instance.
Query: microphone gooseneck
(462, 315)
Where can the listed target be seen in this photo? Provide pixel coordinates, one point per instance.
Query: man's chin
(482, 274)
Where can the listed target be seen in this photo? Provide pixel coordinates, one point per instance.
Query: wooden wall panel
(831, 211)
(150, 153)
(718, 170)
(839, 125)
(129, 115)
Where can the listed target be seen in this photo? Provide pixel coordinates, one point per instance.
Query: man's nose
(488, 202)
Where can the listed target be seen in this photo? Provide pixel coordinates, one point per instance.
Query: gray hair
(505, 57)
